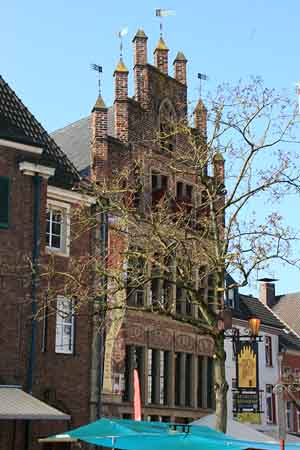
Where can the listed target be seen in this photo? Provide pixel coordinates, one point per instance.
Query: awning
(16, 404)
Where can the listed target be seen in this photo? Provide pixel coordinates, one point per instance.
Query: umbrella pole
(281, 442)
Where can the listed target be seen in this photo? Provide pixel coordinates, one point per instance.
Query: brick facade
(64, 380)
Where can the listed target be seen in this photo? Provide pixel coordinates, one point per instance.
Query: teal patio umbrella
(138, 435)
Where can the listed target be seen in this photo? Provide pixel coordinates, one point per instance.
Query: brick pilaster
(161, 56)
(140, 61)
(99, 148)
(121, 102)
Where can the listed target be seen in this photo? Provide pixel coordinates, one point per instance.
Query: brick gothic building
(57, 358)
(175, 362)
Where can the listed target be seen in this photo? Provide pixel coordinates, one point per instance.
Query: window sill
(57, 352)
(53, 251)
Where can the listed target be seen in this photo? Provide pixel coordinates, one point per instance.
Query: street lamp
(254, 326)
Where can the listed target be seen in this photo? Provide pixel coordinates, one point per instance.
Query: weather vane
(163, 13)
(98, 69)
(201, 76)
(120, 35)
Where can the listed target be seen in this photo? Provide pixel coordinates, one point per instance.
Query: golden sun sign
(247, 368)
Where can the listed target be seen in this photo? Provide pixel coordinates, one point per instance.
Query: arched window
(167, 118)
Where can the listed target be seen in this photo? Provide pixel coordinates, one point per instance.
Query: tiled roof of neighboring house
(253, 307)
(289, 341)
(288, 308)
(75, 140)
(18, 124)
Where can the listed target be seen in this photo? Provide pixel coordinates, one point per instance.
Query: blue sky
(47, 48)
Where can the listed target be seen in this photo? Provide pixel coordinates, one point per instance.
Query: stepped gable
(18, 124)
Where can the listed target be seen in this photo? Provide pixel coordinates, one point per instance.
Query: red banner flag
(137, 409)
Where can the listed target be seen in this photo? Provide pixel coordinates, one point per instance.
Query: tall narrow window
(289, 415)
(167, 119)
(270, 404)
(179, 300)
(177, 378)
(161, 377)
(210, 381)
(150, 385)
(188, 380)
(200, 382)
(268, 351)
(64, 342)
(4, 202)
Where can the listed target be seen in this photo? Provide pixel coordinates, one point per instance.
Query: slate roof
(252, 306)
(288, 308)
(19, 125)
(75, 140)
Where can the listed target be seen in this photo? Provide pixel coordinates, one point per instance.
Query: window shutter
(4, 202)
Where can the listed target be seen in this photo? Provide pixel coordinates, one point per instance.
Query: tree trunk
(221, 385)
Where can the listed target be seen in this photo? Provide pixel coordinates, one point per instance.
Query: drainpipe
(37, 183)
(103, 300)
(98, 336)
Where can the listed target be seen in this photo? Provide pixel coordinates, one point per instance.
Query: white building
(244, 307)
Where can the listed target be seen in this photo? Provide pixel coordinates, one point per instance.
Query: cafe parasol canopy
(133, 435)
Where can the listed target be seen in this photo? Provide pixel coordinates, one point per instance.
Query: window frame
(5, 225)
(64, 249)
(60, 324)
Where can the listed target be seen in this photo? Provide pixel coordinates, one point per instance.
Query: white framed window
(65, 321)
(58, 227)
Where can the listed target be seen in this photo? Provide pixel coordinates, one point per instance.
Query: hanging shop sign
(247, 366)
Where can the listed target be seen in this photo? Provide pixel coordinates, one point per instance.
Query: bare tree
(177, 238)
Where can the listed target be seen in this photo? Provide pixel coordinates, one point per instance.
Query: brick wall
(60, 380)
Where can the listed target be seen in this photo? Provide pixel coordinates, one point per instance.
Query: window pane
(55, 241)
(64, 326)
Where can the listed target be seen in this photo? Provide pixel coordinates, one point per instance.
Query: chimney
(121, 101)
(140, 61)
(99, 147)
(267, 291)
(180, 68)
(161, 56)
